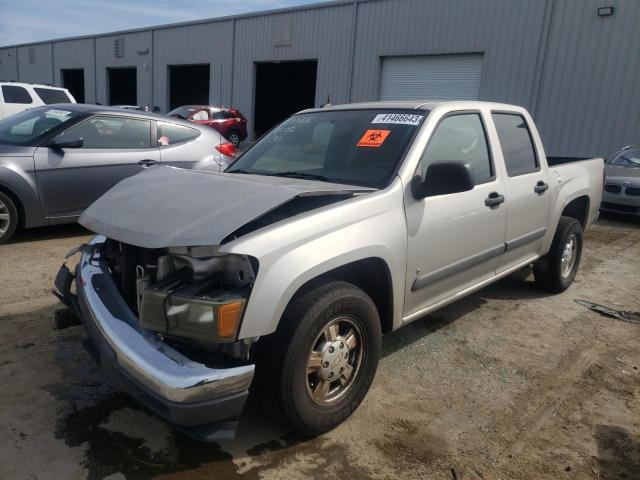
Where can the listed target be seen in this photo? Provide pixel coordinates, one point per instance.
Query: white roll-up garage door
(437, 77)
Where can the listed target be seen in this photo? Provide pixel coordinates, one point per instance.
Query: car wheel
(8, 217)
(324, 356)
(234, 137)
(556, 271)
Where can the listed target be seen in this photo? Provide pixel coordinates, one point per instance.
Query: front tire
(323, 358)
(8, 217)
(556, 271)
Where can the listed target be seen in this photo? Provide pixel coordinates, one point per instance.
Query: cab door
(526, 187)
(455, 240)
(113, 148)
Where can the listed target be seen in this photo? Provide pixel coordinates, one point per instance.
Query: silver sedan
(622, 182)
(58, 159)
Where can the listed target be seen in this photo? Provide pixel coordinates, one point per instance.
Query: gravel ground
(509, 383)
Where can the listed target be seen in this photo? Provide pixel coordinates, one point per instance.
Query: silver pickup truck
(341, 224)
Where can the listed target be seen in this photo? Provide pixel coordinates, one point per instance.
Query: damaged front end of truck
(162, 304)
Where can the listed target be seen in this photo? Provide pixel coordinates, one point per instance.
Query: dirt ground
(509, 383)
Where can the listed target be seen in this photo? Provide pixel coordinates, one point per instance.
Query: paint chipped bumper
(178, 389)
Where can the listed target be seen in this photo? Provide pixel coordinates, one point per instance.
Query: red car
(228, 121)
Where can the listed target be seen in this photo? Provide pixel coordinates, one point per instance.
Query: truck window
(460, 137)
(50, 95)
(14, 94)
(517, 145)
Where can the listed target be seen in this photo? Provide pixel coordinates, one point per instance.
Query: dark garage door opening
(123, 86)
(188, 85)
(73, 80)
(282, 88)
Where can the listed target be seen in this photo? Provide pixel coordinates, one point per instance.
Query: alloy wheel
(5, 218)
(334, 361)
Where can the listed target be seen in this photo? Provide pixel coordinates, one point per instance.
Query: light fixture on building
(606, 11)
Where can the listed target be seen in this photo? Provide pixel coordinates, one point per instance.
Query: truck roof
(425, 105)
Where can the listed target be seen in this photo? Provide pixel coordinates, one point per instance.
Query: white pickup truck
(339, 225)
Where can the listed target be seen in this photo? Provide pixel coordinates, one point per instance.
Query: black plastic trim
(457, 267)
(525, 239)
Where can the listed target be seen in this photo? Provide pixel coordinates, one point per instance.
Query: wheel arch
(372, 275)
(578, 208)
(17, 202)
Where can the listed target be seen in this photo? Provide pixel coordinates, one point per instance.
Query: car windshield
(26, 128)
(354, 147)
(627, 158)
(182, 112)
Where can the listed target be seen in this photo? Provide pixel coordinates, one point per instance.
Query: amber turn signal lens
(228, 318)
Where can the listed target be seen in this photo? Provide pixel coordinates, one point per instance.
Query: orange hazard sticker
(373, 138)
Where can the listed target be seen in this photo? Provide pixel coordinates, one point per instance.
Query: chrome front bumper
(137, 361)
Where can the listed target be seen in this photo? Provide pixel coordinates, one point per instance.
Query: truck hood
(171, 207)
(15, 150)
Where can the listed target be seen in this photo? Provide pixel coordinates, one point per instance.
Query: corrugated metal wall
(210, 43)
(322, 34)
(76, 54)
(8, 64)
(589, 101)
(35, 63)
(137, 53)
(575, 71)
(506, 31)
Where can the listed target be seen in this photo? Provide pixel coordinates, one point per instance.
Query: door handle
(541, 187)
(147, 162)
(494, 199)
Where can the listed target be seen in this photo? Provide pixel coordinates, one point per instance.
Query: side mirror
(59, 143)
(443, 178)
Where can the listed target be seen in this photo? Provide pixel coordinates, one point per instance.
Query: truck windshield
(26, 128)
(354, 147)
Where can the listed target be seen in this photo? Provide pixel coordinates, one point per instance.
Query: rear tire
(234, 137)
(320, 363)
(8, 217)
(556, 271)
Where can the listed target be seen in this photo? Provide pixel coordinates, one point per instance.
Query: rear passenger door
(526, 189)
(114, 148)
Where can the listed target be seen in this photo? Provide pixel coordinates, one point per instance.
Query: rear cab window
(516, 142)
(16, 94)
(52, 95)
(170, 134)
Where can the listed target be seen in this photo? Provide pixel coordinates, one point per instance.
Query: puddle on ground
(122, 439)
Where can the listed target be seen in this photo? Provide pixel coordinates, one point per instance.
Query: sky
(24, 21)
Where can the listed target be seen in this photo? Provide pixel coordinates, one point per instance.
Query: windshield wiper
(301, 175)
(288, 174)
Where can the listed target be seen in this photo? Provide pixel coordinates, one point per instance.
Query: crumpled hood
(171, 207)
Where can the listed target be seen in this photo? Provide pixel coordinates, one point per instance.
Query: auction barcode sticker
(398, 118)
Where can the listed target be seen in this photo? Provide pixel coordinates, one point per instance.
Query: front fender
(18, 177)
(298, 250)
